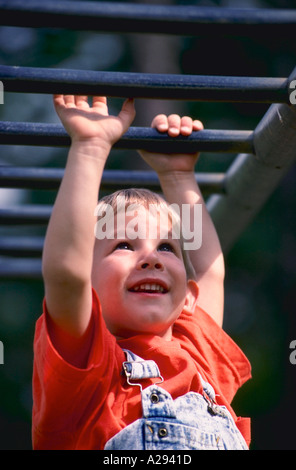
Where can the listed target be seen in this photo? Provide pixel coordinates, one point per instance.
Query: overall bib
(190, 422)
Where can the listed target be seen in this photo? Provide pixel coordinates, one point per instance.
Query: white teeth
(149, 287)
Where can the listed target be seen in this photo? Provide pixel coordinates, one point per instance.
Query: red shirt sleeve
(62, 393)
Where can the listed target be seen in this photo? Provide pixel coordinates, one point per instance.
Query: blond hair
(145, 197)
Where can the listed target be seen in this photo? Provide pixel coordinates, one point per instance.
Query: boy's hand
(174, 125)
(93, 123)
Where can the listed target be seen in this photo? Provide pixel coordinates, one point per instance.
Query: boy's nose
(151, 261)
(149, 265)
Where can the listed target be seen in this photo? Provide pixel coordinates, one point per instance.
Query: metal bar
(25, 215)
(54, 135)
(39, 214)
(250, 181)
(21, 246)
(131, 18)
(152, 86)
(50, 178)
(26, 269)
(32, 246)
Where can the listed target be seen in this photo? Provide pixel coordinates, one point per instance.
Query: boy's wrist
(95, 148)
(176, 176)
(180, 186)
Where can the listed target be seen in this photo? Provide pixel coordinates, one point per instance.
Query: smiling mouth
(149, 288)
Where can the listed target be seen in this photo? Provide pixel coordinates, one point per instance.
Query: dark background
(260, 279)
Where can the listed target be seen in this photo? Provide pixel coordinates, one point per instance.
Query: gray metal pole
(251, 179)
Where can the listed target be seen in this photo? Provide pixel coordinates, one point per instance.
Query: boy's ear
(191, 296)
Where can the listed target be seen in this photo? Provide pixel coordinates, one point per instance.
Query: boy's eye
(123, 246)
(166, 247)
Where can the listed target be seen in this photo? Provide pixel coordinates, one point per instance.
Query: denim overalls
(192, 421)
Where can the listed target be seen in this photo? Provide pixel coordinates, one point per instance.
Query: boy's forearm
(69, 240)
(181, 188)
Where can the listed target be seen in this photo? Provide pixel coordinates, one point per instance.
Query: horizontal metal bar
(152, 86)
(26, 269)
(18, 246)
(25, 215)
(131, 17)
(14, 177)
(50, 178)
(54, 135)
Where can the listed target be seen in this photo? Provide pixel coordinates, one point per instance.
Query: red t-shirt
(82, 408)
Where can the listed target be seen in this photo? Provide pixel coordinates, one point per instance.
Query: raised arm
(68, 249)
(177, 179)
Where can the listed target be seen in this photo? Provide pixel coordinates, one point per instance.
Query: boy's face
(141, 282)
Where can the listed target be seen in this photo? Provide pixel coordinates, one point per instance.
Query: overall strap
(136, 368)
(207, 389)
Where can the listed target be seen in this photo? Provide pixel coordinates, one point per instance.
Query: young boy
(129, 351)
